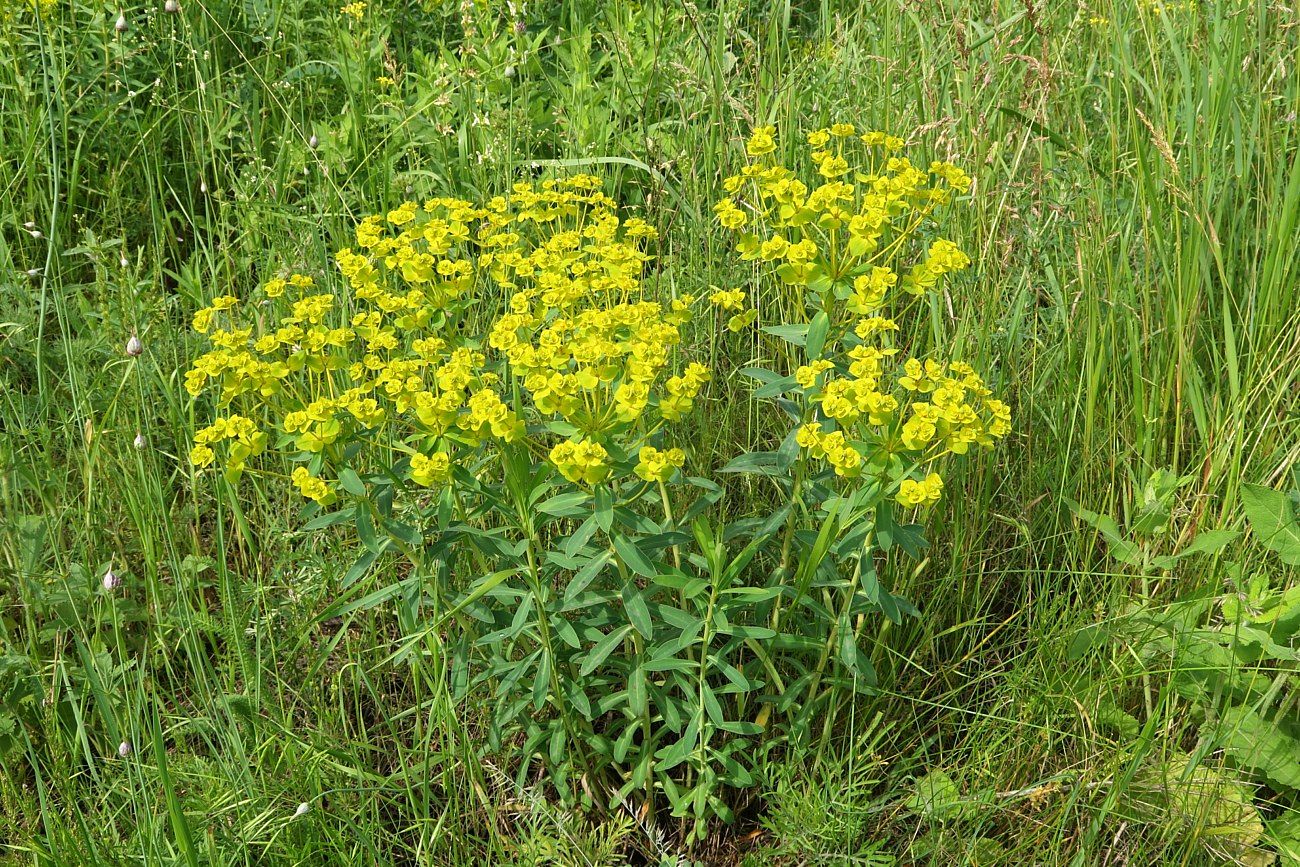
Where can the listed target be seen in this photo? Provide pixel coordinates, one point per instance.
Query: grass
(1134, 291)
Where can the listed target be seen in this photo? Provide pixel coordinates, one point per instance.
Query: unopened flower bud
(124, 262)
(33, 272)
(134, 347)
(124, 749)
(139, 442)
(509, 72)
(36, 233)
(120, 25)
(302, 810)
(171, 7)
(111, 581)
(203, 186)
(30, 224)
(313, 141)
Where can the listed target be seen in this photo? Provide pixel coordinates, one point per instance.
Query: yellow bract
(409, 358)
(844, 234)
(655, 465)
(923, 493)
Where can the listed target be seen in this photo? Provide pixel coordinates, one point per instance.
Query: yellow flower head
(431, 470)
(655, 465)
(923, 493)
(582, 462)
(313, 488)
(761, 142)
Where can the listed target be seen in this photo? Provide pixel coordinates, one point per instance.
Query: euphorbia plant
(495, 395)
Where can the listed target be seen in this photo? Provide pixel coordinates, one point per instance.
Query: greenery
(716, 570)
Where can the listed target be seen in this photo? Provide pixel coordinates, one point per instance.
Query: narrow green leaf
(351, 482)
(817, 330)
(633, 558)
(603, 648)
(637, 612)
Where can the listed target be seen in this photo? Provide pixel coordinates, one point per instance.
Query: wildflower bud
(139, 442)
(171, 7)
(302, 810)
(35, 233)
(203, 186)
(134, 347)
(111, 581)
(123, 262)
(313, 141)
(30, 224)
(33, 272)
(509, 72)
(120, 25)
(124, 749)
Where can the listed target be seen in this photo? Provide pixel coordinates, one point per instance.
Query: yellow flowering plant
(490, 390)
(849, 252)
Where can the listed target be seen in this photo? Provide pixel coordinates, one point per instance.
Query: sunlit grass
(1133, 291)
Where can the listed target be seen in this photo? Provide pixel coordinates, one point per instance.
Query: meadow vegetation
(659, 433)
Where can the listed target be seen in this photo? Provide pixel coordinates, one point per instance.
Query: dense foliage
(594, 430)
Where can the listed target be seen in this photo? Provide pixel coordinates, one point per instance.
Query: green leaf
(366, 527)
(909, 537)
(351, 482)
(542, 681)
(370, 600)
(584, 576)
(936, 797)
(779, 386)
(1273, 520)
(761, 463)
(1256, 743)
(329, 519)
(359, 568)
(671, 756)
(794, 334)
(1210, 542)
(689, 587)
(636, 691)
(761, 633)
(762, 374)
(711, 704)
(1120, 548)
(817, 330)
(404, 533)
(479, 589)
(854, 659)
(603, 649)
(1086, 640)
(568, 505)
(633, 558)
(637, 612)
(604, 508)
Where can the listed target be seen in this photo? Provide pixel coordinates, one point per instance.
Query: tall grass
(1134, 289)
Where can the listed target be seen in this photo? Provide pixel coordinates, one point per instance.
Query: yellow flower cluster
(583, 462)
(834, 228)
(574, 347)
(313, 488)
(842, 238)
(834, 447)
(654, 465)
(923, 493)
(246, 441)
(431, 470)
